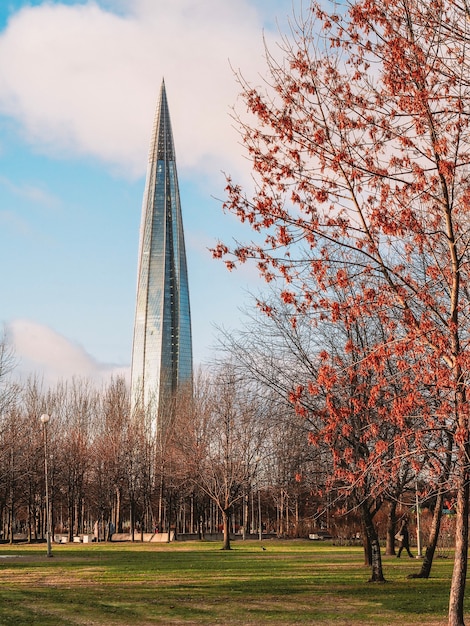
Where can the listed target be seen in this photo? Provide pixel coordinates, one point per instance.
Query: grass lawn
(290, 582)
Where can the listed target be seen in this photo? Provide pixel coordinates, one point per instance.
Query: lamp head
(44, 418)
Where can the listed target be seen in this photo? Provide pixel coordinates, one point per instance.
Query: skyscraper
(162, 347)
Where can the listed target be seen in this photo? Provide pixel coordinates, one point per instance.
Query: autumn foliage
(360, 150)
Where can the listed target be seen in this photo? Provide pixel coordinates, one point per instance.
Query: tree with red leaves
(329, 374)
(360, 150)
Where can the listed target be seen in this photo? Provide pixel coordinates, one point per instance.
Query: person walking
(96, 531)
(403, 537)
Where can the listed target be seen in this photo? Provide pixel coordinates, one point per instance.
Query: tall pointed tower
(162, 348)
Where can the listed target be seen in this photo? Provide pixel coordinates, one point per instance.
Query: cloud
(41, 351)
(82, 80)
(36, 195)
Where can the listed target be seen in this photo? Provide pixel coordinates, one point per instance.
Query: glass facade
(162, 347)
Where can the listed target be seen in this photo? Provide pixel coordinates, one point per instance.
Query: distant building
(162, 347)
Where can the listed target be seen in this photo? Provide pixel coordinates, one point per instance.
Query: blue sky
(79, 83)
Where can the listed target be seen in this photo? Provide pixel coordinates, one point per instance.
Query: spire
(162, 350)
(162, 146)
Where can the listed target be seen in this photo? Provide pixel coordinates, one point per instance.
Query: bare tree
(108, 468)
(223, 441)
(8, 388)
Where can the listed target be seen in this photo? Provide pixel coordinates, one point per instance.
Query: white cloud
(36, 195)
(44, 352)
(83, 80)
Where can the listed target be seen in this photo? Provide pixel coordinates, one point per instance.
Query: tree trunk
(30, 527)
(118, 519)
(11, 521)
(367, 546)
(391, 524)
(433, 539)
(457, 589)
(160, 499)
(376, 558)
(132, 519)
(168, 520)
(71, 518)
(226, 521)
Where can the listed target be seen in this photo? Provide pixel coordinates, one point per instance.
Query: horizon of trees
(236, 460)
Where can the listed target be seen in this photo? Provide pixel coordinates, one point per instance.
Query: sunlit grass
(290, 582)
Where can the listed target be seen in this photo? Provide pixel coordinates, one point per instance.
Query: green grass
(291, 582)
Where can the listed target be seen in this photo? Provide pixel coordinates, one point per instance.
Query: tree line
(226, 462)
(234, 459)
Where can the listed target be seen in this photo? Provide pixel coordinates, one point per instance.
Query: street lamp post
(256, 474)
(260, 524)
(44, 421)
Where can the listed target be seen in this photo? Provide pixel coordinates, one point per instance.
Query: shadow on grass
(288, 583)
